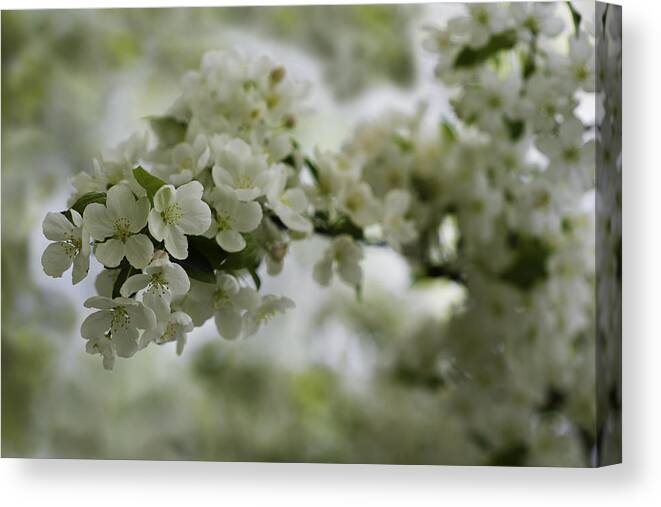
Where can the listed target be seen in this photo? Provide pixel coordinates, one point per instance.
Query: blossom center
(244, 181)
(120, 318)
(172, 214)
(225, 221)
(72, 247)
(169, 332)
(121, 227)
(221, 299)
(158, 284)
(570, 154)
(581, 73)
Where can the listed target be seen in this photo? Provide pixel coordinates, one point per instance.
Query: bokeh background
(330, 381)
(315, 385)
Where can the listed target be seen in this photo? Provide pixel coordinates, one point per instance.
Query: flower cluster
(494, 199)
(181, 219)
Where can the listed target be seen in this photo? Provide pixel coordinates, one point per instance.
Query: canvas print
(340, 234)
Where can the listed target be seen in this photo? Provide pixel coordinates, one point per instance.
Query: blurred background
(335, 380)
(317, 384)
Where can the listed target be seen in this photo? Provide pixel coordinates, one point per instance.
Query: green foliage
(89, 198)
(529, 265)
(126, 271)
(148, 181)
(169, 131)
(470, 57)
(204, 255)
(516, 128)
(448, 132)
(575, 17)
(514, 455)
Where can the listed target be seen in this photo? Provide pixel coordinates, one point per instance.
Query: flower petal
(55, 260)
(98, 221)
(96, 324)
(177, 278)
(192, 190)
(141, 316)
(229, 322)
(196, 216)
(230, 241)
(247, 194)
(221, 176)
(350, 272)
(57, 227)
(157, 225)
(110, 253)
(126, 341)
(291, 219)
(120, 200)
(397, 202)
(295, 198)
(134, 284)
(139, 250)
(323, 271)
(247, 216)
(176, 243)
(105, 281)
(159, 304)
(81, 266)
(138, 214)
(164, 197)
(101, 302)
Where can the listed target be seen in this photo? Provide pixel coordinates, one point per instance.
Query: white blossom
(71, 246)
(118, 321)
(120, 223)
(397, 229)
(344, 255)
(242, 171)
(288, 204)
(262, 310)
(161, 281)
(233, 217)
(178, 212)
(173, 328)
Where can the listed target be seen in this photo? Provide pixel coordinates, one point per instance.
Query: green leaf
(207, 248)
(470, 57)
(515, 128)
(126, 270)
(314, 170)
(448, 132)
(248, 258)
(148, 181)
(255, 278)
(204, 256)
(529, 265)
(576, 18)
(169, 131)
(514, 455)
(89, 198)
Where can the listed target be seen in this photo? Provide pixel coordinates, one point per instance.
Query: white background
(636, 482)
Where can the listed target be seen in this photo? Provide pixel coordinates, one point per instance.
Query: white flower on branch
(173, 328)
(288, 204)
(178, 212)
(239, 169)
(233, 217)
(121, 220)
(161, 281)
(71, 246)
(114, 329)
(344, 255)
(397, 229)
